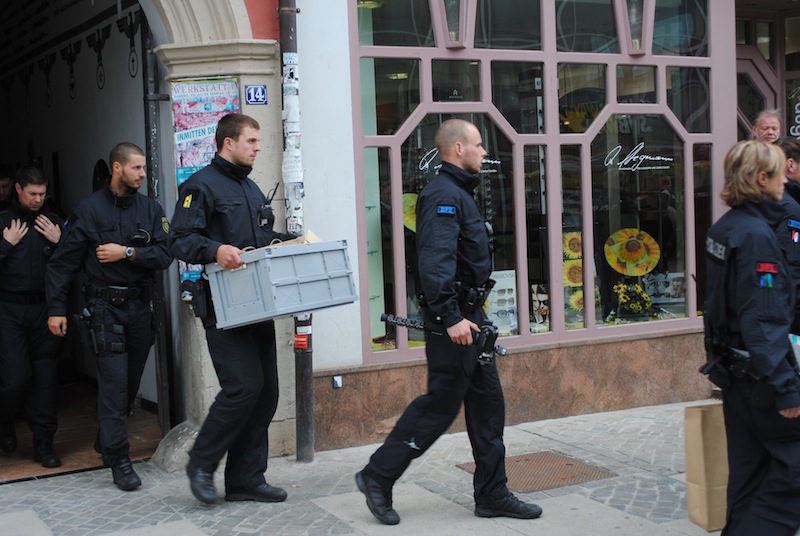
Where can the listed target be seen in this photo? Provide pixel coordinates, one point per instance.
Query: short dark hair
(29, 174)
(122, 152)
(791, 147)
(231, 125)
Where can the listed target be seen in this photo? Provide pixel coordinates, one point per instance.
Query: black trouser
(245, 360)
(764, 466)
(124, 334)
(28, 368)
(454, 377)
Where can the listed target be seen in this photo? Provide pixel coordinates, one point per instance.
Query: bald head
(459, 143)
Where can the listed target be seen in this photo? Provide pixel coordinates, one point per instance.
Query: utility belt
(116, 295)
(22, 297)
(471, 299)
(739, 364)
(724, 363)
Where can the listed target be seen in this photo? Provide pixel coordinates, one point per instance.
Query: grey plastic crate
(281, 280)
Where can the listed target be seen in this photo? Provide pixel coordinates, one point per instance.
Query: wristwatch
(129, 253)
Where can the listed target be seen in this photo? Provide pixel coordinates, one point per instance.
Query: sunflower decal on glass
(632, 252)
(572, 247)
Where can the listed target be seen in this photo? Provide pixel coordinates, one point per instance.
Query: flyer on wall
(197, 107)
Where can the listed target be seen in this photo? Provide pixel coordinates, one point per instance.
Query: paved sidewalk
(643, 447)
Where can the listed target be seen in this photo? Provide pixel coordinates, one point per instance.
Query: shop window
(765, 40)
(688, 96)
(681, 28)
(572, 237)
(744, 32)
(518, 92)
(636, 83)
(792, 43)
(702, 215)
(420, 162)
(456, 80)
(394, 93)
(586, 26)
(750, 100)
(380, 256)
(793, 108)
(510, 24)
(638, 218)
(581, 95)
(398, 24)
(536, 225)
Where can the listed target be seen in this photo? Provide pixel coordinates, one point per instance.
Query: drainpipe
(292, 170)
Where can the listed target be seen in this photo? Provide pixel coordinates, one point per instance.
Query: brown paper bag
(706, 465)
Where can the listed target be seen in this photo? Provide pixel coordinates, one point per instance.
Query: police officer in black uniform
(28, 351)
(749, 309)
(221, 211)
(788, 226)
(119, 239)
(455, 263)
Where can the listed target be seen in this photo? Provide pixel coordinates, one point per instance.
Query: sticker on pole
(301, 341)
(255, 94)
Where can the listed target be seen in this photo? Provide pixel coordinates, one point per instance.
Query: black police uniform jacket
(219, 205)
(750, 298)
(103, 218)
(788, 231)
(22, 267)
(452, 241)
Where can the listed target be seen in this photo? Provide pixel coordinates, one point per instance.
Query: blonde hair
(743, 163)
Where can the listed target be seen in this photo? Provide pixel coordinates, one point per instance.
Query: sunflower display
(572, 245)
(632, 252)
(632, 297)
(576, 300)
(573, 273)
(410, 211)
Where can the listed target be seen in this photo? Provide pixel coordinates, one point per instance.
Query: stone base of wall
(538, 383)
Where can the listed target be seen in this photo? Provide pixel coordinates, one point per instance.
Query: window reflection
(406, 23)
(456, 81)
(750, 100)
(702, 214)
(586, 26)
(572, 236)
(494, 195)
(395, 94)
(380, 259)
(681, 28)
(581, 95)
(792, 45)
(518, 92)
(510, 24)
(636, 83)
(536, 225)
(688, 96)
(637, 201)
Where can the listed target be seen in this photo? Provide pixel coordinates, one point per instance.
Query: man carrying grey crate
(221, 211)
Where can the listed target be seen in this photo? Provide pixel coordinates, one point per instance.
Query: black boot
(8, 437)
(125, 478)
(43, 453)
(379, 498)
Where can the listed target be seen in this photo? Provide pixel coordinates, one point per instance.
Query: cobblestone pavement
(643, 447)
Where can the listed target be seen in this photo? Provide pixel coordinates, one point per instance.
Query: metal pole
(292, 169)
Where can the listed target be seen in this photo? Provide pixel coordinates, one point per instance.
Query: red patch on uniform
(766, 268)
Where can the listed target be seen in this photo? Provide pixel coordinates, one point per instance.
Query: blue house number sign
(256, 94)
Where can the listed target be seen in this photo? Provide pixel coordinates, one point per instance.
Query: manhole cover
(545, 470)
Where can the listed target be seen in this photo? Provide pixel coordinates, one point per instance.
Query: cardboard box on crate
(281, 280)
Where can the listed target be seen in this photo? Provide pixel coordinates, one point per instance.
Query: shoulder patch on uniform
(447, 210)
(165, 224)
(187, 201)
(794, 224)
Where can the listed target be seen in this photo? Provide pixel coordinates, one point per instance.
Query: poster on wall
(501, 305)
(197, 107)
